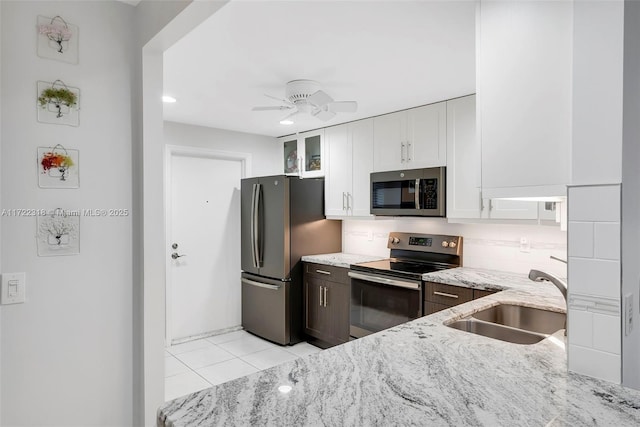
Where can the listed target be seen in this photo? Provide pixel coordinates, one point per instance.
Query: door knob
(174, 246)
(176, 256)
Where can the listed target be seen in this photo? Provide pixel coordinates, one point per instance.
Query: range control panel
(436, 243)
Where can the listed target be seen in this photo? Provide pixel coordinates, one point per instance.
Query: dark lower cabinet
(438, 296)
(327, 293)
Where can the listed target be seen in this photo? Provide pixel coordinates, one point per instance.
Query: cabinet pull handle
(408, 151)
(328, 273)
(443, 294)
(490, 204)
(344, 196)
(481, 202)
(320, 295)
(348, 203)
(401, 152)
(325, 296)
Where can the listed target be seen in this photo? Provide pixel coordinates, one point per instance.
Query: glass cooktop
(399, 267)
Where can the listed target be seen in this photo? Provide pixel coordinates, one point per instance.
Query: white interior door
(204, 288)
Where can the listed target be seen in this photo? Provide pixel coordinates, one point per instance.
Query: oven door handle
(386, 281)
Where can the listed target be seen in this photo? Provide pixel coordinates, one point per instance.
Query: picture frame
(58, 103)
(58, 233)
(58, 167)
(57, 39)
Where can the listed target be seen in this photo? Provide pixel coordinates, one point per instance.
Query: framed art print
(58, 234)
(58, 167)
(57, 39)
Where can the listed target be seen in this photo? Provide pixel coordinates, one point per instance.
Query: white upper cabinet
(338, 172)
(524, 97)
(361, 136)
(464, 195)
(303, 154)
(349, 153)
(410, 139)
(464, 199)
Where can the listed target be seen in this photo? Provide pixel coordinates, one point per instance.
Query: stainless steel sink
(527, 318)
(498, 332)
(512, 323)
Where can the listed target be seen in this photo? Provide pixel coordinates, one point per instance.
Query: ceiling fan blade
(343, 106)
(289, 116)
(284, 101)
(323, 114)
(279, 107)
(319, 99)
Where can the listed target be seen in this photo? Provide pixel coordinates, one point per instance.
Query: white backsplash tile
(607, 240)
(594, 363)
(594, 277)
(606, 333)
(492, 246)
(579, 327)
(580, 239)
(594, 203)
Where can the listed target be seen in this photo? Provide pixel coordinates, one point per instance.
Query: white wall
(265, 150)
(594, 215)
(67, 352)
(631, 189)
(493, 246)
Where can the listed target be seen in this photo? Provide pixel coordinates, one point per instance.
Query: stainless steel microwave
(413, 192)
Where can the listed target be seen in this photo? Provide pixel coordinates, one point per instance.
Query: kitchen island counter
(422, 373)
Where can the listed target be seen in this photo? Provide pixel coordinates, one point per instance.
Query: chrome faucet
(539, 276)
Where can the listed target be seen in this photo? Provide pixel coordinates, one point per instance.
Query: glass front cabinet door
(303, 154)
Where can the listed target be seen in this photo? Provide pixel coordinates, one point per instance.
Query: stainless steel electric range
(390, 292)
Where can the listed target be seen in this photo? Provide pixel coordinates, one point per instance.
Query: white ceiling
(386, 55)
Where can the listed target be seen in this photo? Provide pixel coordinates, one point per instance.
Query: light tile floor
(200, 364)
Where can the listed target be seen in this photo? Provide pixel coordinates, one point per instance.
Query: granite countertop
(423, 373)
(340, 259)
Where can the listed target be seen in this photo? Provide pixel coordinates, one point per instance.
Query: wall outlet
(628, 314)
(525, 245)
(13, 288)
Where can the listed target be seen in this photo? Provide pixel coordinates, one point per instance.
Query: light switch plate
(13, 288)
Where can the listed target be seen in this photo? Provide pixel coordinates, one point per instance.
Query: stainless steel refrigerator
(282, 220)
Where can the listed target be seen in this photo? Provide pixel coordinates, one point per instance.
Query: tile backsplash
(485, 245)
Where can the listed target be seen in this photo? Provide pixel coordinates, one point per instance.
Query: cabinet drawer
(433, 307)
(447, 294)
(327, 272)
(479, 293)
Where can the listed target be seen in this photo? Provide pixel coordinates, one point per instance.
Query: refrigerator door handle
(258, 238)
(254, 225)
(260, 285)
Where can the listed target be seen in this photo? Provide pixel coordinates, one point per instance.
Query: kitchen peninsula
(423, 372)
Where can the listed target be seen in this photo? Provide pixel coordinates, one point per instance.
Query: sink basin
(498, 332)
(512, 323)
(527, 318)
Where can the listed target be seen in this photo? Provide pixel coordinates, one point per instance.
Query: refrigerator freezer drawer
(266, 308)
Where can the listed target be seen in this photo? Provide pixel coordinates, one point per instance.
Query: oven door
(380, 302)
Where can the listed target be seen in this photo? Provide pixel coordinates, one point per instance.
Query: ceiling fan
(305, 96)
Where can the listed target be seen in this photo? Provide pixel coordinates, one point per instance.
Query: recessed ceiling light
(168, 99)
(286, 122)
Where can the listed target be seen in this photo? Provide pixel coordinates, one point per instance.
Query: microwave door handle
(417, 194)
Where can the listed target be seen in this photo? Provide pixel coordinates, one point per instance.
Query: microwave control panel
(430, 192)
